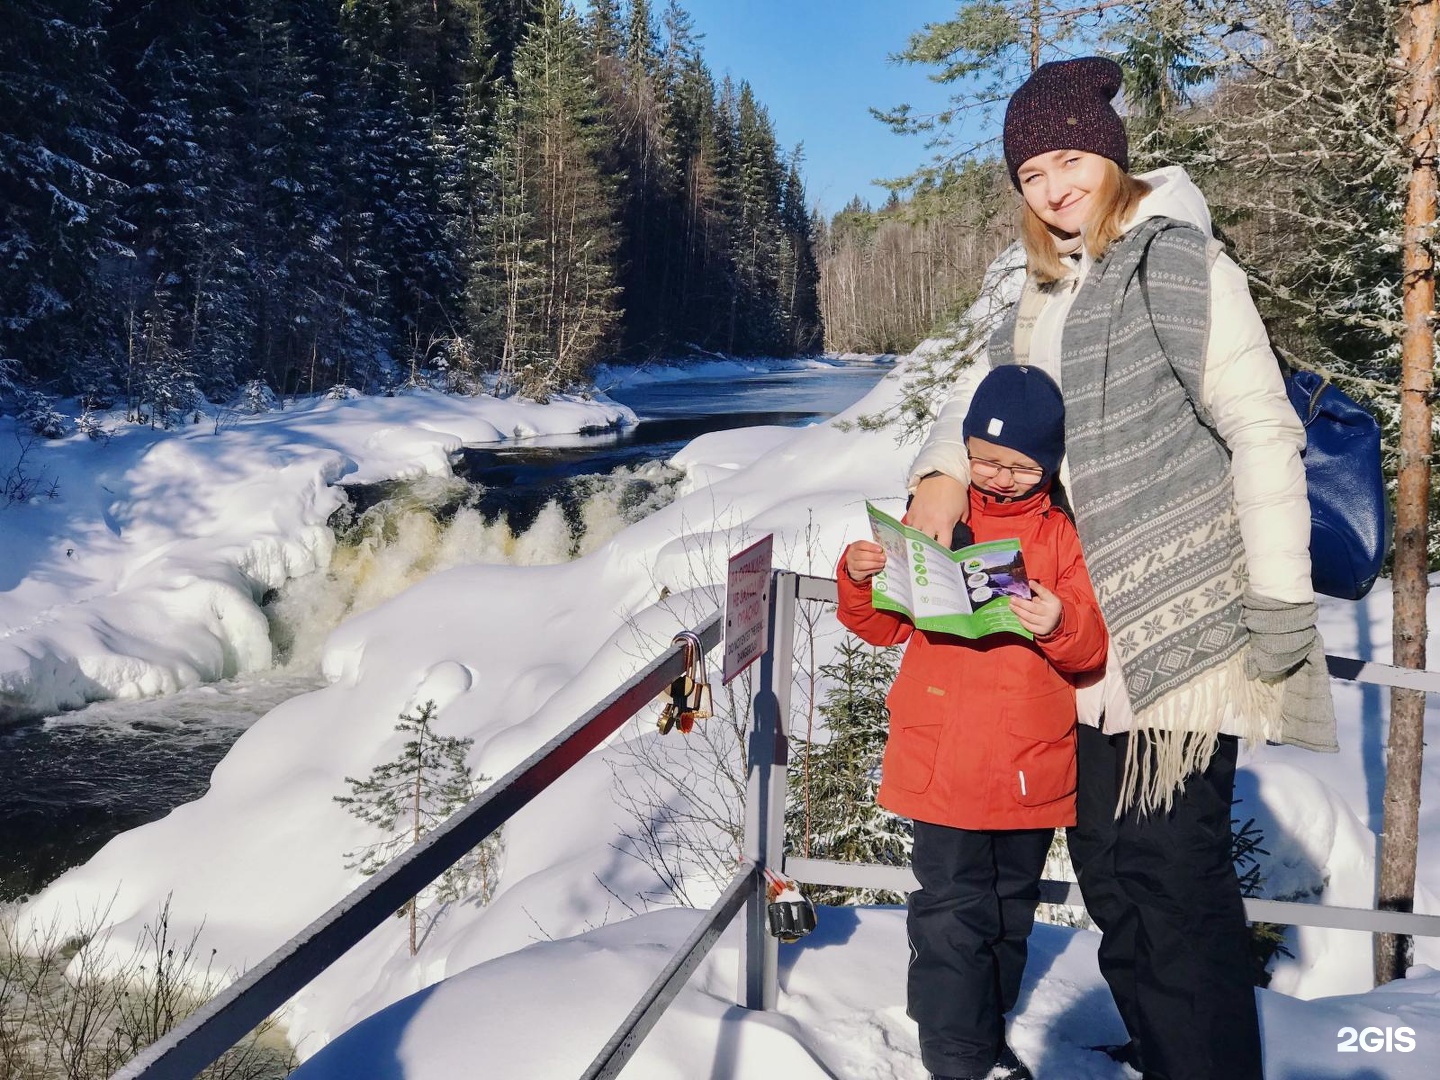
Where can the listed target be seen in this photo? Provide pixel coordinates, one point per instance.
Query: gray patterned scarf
(1155, 506)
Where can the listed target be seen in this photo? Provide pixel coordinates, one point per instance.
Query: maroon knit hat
(1065, 105)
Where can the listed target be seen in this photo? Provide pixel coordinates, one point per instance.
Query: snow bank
(145, 575)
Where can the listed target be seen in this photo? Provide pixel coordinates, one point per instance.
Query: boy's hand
(1040, 614)
(863, 560)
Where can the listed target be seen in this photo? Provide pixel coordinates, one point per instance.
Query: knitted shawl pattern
(1154, 500)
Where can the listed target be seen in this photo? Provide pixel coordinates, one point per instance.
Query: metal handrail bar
(216, 1026)
(1375, 674)
(1346, 668)
(1285, 912)
(672, 978)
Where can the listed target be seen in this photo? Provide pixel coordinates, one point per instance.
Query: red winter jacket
(982, 733)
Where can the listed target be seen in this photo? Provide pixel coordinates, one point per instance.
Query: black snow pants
(1162, 888)
(968, 924)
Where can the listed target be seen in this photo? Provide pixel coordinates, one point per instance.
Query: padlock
(697, 698)
(690, 697)
(696, 686)
(790, 920)
(789, 916)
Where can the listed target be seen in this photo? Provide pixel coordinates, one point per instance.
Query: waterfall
(413, 529)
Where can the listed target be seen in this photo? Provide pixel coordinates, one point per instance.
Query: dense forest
(203, 196)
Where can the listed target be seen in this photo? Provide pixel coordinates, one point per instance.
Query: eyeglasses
(984, 469)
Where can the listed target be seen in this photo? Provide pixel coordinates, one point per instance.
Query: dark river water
(70, 783)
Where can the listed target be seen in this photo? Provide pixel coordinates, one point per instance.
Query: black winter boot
(1009, 1067)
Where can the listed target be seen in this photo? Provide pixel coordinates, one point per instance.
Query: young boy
(981, 752)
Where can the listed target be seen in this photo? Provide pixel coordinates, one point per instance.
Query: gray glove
(1281, 636)
(1284, 645)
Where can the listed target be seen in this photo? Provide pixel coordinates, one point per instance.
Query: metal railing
(207, 1033)
(900, 879)
(203, 1037)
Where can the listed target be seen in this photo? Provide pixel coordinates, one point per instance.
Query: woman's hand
(1041, 614)
(940, 501)
(863, 560)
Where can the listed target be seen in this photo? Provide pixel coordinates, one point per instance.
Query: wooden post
(1417, 105)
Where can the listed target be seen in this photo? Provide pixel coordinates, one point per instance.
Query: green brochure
(965, 592)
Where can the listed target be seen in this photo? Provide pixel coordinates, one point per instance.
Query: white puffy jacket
(1245, 394)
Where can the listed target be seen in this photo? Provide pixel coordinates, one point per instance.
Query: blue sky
(819, 66)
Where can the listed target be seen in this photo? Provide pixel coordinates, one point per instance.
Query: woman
(1183, 467)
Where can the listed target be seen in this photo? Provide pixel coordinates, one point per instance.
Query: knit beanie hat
(1065, 105)
(1021, 408)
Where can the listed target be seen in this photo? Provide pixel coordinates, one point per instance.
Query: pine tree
(834, 813)
(690, 143)
(59, 151)
(507, 284)
(413, 58)
(568, 208)
(799, 273)
(987, 50)
(506, 23)
(185, 229)
(1267, 940)
(758, 234)
(603, 28)
(465, 196)
(409, 796)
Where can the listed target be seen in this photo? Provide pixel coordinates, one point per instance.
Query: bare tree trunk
(1417, 108)
(1036, 37)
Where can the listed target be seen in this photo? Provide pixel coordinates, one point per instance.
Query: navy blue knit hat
(1065, 105)
(1021, 408)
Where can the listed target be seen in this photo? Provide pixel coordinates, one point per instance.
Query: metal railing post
(765, 792)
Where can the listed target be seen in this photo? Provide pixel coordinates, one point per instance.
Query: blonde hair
(1116, 198)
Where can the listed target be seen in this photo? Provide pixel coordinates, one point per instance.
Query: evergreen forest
(204, 197)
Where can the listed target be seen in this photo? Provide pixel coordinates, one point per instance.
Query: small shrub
(69, 1009)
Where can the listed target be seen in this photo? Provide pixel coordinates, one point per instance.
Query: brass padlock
(690, 697)
(696, 688)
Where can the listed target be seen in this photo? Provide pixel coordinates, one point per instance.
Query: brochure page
(965, 592)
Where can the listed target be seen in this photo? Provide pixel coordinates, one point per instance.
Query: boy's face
(1001, 471)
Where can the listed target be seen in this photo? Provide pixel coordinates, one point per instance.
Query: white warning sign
(747, 606)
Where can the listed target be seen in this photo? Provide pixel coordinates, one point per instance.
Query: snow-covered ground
(144, 574)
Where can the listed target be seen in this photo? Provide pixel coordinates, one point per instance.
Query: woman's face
(1059, 187)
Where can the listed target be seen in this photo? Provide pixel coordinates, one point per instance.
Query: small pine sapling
(413, 793)
(1267, 940)
(835, 815)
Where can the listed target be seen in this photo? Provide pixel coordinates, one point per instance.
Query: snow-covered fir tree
(831, 812)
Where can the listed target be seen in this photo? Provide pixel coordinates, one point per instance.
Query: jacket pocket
(917, 714)
(1040, 735)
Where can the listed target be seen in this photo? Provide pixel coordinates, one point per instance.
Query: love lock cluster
(689, 694)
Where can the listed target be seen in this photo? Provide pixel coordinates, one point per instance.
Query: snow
(144, 577)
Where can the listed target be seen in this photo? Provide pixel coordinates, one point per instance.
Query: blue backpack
(1349, 516)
